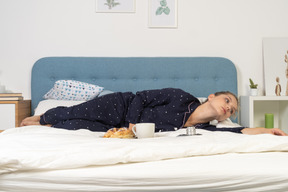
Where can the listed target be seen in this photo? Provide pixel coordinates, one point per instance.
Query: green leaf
(163, 3)
(252, 85)
(166, 10)
(159, 11)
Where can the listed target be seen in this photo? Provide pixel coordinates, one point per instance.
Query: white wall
(31, 29)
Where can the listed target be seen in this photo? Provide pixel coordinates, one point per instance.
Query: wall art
(275, 54)
(115, 6)
(163, 14)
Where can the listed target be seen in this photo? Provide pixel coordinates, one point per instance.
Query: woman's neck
(201, 115)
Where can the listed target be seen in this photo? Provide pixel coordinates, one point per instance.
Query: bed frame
(198, 75)
(245, 171)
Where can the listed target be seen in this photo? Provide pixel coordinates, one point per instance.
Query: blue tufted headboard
(200, 76)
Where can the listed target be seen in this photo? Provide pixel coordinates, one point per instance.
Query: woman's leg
(73, 124)
(33, 120)
(109, 110)
(76, 124)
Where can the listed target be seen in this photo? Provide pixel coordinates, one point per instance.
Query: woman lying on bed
(170, 109)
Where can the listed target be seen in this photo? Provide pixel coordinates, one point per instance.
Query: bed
(39, 158)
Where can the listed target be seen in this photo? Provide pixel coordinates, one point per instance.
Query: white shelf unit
(253, 109)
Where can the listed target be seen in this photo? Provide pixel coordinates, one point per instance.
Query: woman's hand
(131, 125)
(261, 130)
(276, 131)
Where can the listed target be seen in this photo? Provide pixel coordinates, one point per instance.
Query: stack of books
(11, 96)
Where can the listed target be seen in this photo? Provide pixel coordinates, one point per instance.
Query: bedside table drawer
(13, 112)
(7, 114)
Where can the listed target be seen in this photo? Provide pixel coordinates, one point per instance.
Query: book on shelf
(10, 94)
(13, 98)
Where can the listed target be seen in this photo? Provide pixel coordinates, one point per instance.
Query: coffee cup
(144, 130)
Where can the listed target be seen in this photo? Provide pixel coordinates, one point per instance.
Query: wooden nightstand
(13, 112)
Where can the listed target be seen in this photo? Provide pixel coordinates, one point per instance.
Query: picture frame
(275, 55)
(115, 6)
(162, 14)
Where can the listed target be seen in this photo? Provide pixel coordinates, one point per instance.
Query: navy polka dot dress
(168, 108)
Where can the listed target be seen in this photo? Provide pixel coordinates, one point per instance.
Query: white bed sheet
(265, 172)
(214, 161)
(44, 148)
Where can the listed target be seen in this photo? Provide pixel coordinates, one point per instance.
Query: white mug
(144, 130)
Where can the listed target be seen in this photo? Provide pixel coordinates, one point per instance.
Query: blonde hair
(225, 93)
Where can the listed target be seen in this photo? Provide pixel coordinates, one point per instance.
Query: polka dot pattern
(168, 108)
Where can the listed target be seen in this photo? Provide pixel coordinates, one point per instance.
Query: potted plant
(253, 88)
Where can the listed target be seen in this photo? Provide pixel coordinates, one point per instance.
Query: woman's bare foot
(33, 120)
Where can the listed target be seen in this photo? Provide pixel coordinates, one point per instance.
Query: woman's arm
(150, 99)
(247, 131)
(261, 130)
(209, 127)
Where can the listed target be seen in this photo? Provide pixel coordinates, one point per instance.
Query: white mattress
(227, 172)
(214, 161)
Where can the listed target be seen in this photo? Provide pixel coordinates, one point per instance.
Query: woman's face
(224, 105)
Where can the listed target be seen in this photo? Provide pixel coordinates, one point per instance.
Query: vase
(253, 92)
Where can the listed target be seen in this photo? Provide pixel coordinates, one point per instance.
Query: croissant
(110, 132)
(123, 133)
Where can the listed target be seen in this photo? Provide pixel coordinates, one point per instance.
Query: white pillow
(73, 91)
(45, 105)
(105, 92)
(202, 99)
(226, 123)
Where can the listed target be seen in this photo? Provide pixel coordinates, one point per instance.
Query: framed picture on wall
(163, 14)
(275, 54)
(115, 6)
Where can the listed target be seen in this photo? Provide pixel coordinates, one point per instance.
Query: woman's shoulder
(171, 89)
(177, 91)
